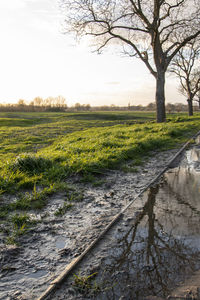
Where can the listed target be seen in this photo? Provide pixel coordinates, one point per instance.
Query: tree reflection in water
(161, 247)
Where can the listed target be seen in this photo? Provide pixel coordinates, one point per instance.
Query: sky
(37, 59)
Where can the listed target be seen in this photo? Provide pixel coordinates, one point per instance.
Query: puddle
(193, 158)
(38, 274)
(157, 245)
(61, 243)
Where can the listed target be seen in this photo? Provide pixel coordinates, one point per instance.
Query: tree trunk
(160, 97)
(190, 107)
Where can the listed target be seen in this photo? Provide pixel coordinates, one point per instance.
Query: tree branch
(170, 8)
(143, 58)
(182, 44)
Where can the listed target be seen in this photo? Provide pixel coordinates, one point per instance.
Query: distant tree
(180, 107)
(21, 102)
(38, 101)
(21, 105)
(60, 102)
(48, 102)
(151, 107)
(186, 66)
(77, 106)
(170, 107)
(112, 106)
(86, 107)
(152, 30)
(31, 103)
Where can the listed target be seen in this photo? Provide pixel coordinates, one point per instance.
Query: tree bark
(190, 107)
(160, 97)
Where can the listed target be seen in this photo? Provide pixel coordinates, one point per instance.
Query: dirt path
(26, 270)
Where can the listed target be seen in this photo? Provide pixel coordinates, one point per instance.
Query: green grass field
(40, 151)
(47, 147)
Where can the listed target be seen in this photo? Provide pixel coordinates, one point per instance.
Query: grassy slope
(57, 137)
(44, 149)
(57, 149)
(28, 132)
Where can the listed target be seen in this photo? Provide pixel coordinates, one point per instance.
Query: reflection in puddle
(162, 246)
(193, 160)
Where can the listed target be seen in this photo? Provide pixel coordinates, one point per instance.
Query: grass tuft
(30, 164)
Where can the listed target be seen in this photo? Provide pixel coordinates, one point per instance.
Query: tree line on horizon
(59, 104)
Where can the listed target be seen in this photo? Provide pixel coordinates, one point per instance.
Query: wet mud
(154, 249)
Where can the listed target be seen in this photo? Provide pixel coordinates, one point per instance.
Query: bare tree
(38, 101)
(152, 30)
(186, 67)
(21, 102)
(60, 102)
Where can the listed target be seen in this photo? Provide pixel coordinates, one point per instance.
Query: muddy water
(157, 245)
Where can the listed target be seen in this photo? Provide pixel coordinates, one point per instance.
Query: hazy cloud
(42, 6)
(113, 82)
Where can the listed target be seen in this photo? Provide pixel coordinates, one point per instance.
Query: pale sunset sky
(37, 59)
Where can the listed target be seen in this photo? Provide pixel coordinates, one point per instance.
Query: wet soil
(26, 270)
(153, 252)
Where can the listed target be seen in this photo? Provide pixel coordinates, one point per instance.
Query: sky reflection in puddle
(161, 245)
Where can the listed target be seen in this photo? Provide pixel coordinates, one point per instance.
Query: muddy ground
(27, 269)
(153, 251)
